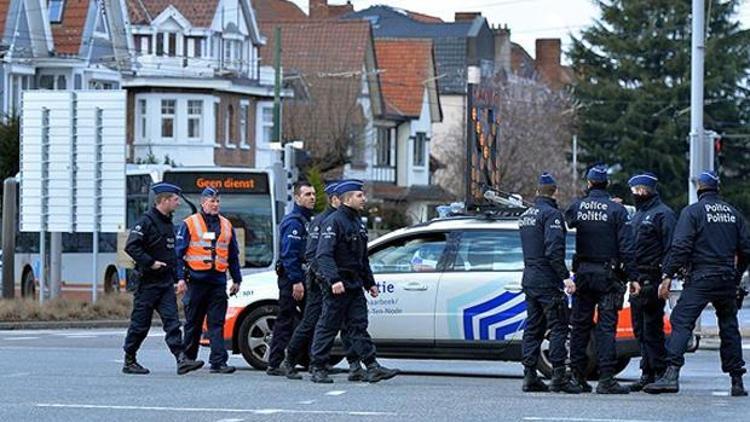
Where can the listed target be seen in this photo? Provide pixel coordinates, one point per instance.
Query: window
(172, 47)
(227, 52)
(267, 124)
(193, 47)
(56, 9)
(143, 44)
(237, 53)
(243, 124)
(485, 250)
(228, 125)
(77, 81)
(47, 82)
(167, 118)
(383, 158)
(142, 112)
(62, 82)
(420, 141)
(412, 254)
(216, 124)
(159, 44)
(195, 114)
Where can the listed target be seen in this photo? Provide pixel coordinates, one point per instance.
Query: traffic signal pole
(699, 152)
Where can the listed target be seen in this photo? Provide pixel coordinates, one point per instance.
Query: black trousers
(595, 292)
(205, 301)
(647, 316)
(545, 310)
(689, 306)
(348, 308)
(150, 297)
(283, 328)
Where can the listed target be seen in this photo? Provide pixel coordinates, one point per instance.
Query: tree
(9, 150)
(633, 84)
(315, 178)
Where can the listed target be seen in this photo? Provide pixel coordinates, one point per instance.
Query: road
(72, 375)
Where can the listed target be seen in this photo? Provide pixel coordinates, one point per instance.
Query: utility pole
(277, 86)
(699, 154)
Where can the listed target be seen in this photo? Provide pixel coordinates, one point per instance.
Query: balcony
(384, 173)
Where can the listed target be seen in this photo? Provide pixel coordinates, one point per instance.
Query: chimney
(465, 16)
(548, 56)
(318, 9)
(502, 49)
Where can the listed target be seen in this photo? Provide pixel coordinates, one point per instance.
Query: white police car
(449, 289)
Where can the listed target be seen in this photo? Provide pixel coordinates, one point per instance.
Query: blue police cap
(330, 188)
(644, 179)
(349, 186)
(546, 179)
(209, 192)
(709, 179)
(164, 187)
(597, 174)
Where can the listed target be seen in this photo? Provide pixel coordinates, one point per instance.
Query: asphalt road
(72, 375)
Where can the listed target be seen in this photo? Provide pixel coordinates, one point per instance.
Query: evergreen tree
(633, 68)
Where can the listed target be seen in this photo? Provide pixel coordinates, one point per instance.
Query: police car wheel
(545, 366)
(255, 335)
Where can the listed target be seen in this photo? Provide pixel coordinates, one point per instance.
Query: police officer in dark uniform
(303, 334)
(344, 269)
(151, 245)
(604, 249)
(543, 232)
(207, 246)
(710, 234)
(653, 226)
(291, 272)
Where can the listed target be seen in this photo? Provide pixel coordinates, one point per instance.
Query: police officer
(344, 270)
(290, 271)
(604, 247)
(151, 245)
(303, 334)
(708, 237)
(542, 230)
(207, 246)
(653, 226)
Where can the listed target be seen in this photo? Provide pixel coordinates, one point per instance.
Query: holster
(279, 269)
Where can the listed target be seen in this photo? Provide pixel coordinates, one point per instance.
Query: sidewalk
(52, 325)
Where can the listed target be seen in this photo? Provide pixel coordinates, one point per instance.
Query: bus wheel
(111, 282)
(28, 284)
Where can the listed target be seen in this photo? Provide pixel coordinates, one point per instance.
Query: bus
(248, 200)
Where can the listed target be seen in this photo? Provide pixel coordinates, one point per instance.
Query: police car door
(407, 271)
(477, 299)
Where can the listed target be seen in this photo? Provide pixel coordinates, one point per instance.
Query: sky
(527, 19)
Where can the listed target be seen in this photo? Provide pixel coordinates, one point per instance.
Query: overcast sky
(527, 19)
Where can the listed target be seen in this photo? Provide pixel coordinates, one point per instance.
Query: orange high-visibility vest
(199, 255)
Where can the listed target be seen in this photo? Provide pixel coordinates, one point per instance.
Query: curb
(56, 325)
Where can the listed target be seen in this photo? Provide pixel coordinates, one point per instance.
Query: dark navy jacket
(603, 232)
(313, 235)
(210, 276)
(152, 239)
(342, 251)
(293, 236)
(709, 235)
(653, 226)
(543, 232)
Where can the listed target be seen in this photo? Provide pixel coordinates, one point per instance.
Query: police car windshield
(252, 220)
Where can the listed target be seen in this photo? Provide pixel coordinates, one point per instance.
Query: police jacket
(603, 234)
(342, 251)
(709, 235)
(653, 227)
(543, 232)
(313, 235)
(152, 239)
(208, 276)
(293, 235)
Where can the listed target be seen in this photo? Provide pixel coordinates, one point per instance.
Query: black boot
(608, 385)
(738, 388)
(532, 383)
(376, 373)
(667, 383)
(185, 365)
(562, 383)
(222, 369)
(579, 379)
(289, 369)
(320, 376)
(356, 372)
(131, 366)
(646, 378)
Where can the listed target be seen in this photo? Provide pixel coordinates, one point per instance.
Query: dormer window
(56, 8)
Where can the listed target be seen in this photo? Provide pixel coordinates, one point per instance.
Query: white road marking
(306, 402)
(336, 393)
(80, 336)
(120, 361)
(217, 410)
(20, 338)
(230, 420)
(16, 375)
(533, 418)
(720, 393)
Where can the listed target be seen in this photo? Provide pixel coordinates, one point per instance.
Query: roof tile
(404, 65)
(67, 34)
(199, 13)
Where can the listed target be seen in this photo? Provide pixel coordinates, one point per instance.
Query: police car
(449, 289)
